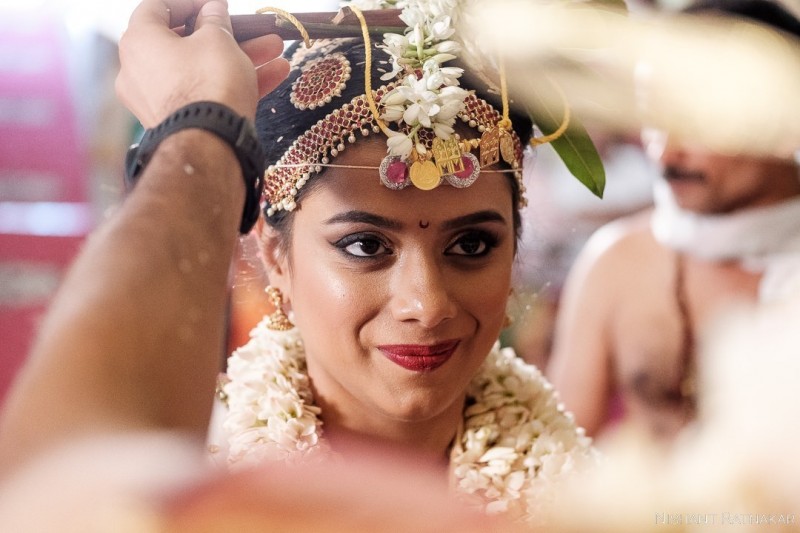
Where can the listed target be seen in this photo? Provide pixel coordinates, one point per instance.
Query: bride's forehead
(360, 189)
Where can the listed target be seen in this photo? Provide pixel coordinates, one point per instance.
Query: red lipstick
(420, 357)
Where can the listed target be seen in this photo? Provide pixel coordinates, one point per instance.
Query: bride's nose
(420, 291)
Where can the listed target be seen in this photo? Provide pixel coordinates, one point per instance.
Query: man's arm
(134, 336)
(580, 364)
(132, 340)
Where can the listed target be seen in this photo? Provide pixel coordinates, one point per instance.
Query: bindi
(424, 225)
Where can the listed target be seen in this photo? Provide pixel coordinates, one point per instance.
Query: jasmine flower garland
(271, 414)
(428, 95)
(517, 442)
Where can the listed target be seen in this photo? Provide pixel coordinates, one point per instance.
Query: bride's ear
(274, 256)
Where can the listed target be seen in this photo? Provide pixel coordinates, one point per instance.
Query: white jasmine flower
(413, 17)
(497, 507)
(498, 454)
(424, 103)
(452, 99)
(392, 74)
(393, 113)
(443, 131)
(394, 98)
(443, 58)
(395, 45)
(433, 79)
(440, 7)
(440, 28)
(516, 480)
(420, 112)
(448, 47)
(399, 144)
(417, 37)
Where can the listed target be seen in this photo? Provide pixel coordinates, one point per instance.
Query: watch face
(248, 134)
(133, 166)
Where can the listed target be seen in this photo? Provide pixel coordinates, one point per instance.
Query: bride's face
(399, 295)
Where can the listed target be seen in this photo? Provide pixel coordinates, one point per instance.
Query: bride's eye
(363, 245)
(472, 244)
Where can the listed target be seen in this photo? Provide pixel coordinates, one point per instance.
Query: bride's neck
(431, 439)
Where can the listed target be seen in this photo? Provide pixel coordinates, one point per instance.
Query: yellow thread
(291, 18)
(368, 70)
(536, 141)
(506, 122)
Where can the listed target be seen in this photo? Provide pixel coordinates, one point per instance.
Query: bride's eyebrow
(364, 217)
(478, 217)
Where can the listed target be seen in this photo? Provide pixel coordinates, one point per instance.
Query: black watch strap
(229, 126)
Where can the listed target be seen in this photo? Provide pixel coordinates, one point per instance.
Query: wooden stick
(318, 25)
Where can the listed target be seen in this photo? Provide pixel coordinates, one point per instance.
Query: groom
(725, 230)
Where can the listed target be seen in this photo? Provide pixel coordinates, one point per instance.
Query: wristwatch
(229, 126)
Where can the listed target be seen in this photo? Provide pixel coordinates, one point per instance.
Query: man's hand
(162, 71)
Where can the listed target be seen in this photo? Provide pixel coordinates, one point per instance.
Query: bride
(396, 280)
(391, 215)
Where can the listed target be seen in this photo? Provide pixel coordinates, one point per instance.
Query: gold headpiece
(421, 100)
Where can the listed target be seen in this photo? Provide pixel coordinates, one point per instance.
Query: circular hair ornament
(394, 173)
(466, 177)
(321, 80)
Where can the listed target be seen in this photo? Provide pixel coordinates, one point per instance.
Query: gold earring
(277, 321)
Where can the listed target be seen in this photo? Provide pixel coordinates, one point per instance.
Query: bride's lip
(420, 357)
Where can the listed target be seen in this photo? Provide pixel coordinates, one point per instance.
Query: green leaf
(579, 154)
(574, 146)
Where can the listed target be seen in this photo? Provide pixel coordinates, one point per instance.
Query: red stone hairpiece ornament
(322, 80)
(313, 150)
